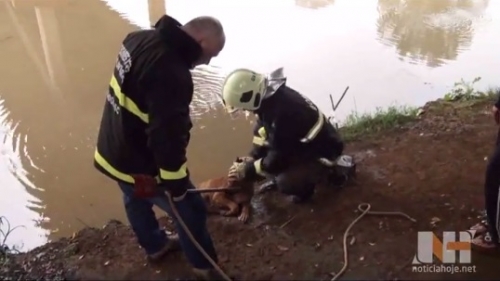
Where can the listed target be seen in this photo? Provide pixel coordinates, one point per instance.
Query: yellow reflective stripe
(258, 167)
(127, 103)
(258, 141)
(112, 171)
(313, 132)
(262, 132)
(175, 175)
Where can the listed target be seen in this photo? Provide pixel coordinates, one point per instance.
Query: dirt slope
(432, 170)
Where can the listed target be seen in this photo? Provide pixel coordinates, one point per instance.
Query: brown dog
(228, 203)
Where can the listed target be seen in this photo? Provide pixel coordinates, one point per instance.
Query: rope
(365, 210)
(191, 237)
(363, 207)
(210, 190)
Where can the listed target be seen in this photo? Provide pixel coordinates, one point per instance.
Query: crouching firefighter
(145, 130)
(290, 135)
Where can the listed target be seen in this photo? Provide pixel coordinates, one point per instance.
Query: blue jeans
(149, 235)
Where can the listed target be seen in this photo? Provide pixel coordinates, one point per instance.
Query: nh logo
(430, 246)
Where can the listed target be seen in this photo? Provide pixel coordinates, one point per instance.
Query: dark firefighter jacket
(145, 125)
(290, 127)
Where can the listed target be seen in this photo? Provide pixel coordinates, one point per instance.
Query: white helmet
(243, 89)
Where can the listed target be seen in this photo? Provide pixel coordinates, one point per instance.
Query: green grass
(5, 231)
(465, 91)
(358, 125)
(361, 125)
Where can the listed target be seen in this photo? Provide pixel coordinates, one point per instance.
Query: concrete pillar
(157, 8)
(50, 37)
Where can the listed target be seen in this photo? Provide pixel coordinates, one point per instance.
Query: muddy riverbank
(399, 51)
(430, 168)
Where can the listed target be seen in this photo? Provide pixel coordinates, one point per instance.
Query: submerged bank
(412, 159)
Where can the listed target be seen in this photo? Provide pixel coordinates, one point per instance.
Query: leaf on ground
(353, 240)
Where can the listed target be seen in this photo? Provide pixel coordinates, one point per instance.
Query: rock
(282, 248)
(71, 250)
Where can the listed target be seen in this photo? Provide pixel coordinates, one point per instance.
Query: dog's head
(239, 161)
(243, 159)
(241, 184)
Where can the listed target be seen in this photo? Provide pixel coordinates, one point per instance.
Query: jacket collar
(270, 104)
(188, 49)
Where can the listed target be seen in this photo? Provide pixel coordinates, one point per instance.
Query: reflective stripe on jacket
(290, 125)
(145, 127)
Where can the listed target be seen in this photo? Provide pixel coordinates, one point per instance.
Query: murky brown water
(57, 57)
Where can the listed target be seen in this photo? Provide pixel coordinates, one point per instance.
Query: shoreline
(99, 253)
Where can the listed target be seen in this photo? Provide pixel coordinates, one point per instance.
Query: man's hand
(496, 114)
(237, 171)
(145, 186)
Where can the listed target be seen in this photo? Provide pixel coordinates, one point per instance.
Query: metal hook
(335, 106)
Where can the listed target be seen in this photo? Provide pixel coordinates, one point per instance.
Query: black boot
(304, 196)
(268, 186)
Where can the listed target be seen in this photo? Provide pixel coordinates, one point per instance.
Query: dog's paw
(243, 217)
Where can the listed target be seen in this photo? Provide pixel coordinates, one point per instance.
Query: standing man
(487, 231)
(145, 130)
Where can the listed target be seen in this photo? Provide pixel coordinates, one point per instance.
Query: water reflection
(208, 82)
(18, 206)
(52, 83)
(156, 9)
(50, 62)
(314, 4)
(50, 37)
(430, 31)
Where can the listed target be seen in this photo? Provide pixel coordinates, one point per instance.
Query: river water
(57, 55)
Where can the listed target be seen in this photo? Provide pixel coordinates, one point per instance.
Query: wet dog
(233, 202)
